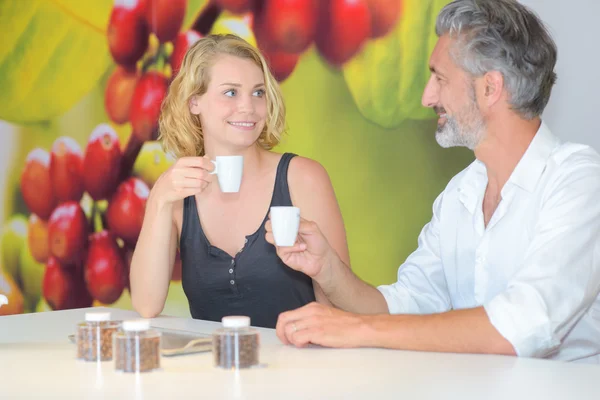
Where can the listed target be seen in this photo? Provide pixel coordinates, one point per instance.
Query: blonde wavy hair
(180, 131)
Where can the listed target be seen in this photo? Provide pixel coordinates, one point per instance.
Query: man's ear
(195, 105)
(494, 83)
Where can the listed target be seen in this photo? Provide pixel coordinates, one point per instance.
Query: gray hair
(504, 36)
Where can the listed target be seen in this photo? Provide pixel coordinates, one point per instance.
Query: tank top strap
(189, 222)
(281, 191)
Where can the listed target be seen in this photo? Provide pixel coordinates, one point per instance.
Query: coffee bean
(137, 354)
(234, 350)
(94, 341)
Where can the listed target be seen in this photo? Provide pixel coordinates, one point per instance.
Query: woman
(224, 101)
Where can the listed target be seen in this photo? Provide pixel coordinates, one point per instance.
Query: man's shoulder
(571, 161)
(575, 155)
(572, 172)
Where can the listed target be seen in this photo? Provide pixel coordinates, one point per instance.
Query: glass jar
(236, 344)
(137, 347)
(94, 337)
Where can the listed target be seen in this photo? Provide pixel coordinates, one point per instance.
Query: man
(510, 261)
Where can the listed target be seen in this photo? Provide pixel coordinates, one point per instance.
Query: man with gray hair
(510, 261)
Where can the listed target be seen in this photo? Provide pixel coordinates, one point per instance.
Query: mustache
(439, 110)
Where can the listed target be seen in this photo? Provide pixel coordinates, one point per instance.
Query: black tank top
(255, 282)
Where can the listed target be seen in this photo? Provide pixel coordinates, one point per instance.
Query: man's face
(451, 93)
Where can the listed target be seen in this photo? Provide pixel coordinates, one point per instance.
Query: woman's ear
(195, 105)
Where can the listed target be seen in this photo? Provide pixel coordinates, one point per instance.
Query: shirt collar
(471, 185)
(529, 170)
(526, 174)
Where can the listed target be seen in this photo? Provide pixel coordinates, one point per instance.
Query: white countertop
(38, 361)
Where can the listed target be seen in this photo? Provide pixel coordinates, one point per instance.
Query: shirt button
(232, 281)
(231, 270)
(232, 262)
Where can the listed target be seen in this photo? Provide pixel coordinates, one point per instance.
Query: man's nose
(430, 94)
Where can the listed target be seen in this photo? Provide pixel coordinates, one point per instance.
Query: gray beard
(451, 134)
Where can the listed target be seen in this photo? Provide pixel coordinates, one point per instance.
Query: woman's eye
(230, 93)
(259, 92)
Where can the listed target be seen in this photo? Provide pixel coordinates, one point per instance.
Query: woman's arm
(153, 259)
(311, 191)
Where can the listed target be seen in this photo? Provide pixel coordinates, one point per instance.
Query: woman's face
(233, 110)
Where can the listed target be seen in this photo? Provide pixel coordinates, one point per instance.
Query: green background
(364, 123)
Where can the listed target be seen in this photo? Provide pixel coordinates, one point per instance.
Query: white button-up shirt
(535, 268)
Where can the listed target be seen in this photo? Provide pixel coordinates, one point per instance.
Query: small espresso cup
(229, 172)
(285, 222)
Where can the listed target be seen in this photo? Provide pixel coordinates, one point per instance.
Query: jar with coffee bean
(236, 344)
(137, 347)
(94, 337)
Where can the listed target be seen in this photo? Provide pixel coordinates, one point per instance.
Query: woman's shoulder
(306, 173)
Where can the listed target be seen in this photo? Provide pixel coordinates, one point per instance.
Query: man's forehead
(440, 59)
(440, 51)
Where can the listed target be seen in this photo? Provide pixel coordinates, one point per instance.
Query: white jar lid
(136, 325)
(97, 316)
(235, 321)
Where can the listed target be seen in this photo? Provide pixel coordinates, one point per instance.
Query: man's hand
(322, 325)
(311, 254)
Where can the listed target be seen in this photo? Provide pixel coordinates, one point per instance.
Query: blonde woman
(224, 101)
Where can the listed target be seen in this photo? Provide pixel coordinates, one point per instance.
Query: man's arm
(556, 285)
(421, 286)
(457, 331)
(559, 279)
(347, 291)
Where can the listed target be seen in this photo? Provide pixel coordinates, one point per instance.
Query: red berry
(281, 64)
(145, 106)
(37, 238)
(286, 25)
(236, 6)
(66, 169)
(343, 27)
(127, 32)
(125, 212)
(119, 92)
(248, 19)
(57, 285)
(36, 185)
(182, 44)
(81, 297)
(68, 233)
(384, 15)
(64, 288)
(164, 17)
(105, 272)
(102, 162)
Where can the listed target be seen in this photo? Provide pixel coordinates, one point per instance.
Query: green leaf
(52, 54)
(192, 11)
(387, 78)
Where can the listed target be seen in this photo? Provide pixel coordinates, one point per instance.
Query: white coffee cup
(285, 222)
(229, 172)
